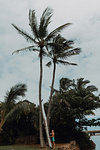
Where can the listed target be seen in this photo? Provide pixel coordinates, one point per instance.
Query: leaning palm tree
(61, 49)
(39, 39)
(9, 102)
(20, 108)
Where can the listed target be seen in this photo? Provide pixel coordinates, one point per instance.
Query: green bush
(84, 141)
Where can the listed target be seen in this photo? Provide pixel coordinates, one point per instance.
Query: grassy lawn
(24, 147)
(18, 147)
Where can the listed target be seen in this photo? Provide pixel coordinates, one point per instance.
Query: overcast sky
(24, 67)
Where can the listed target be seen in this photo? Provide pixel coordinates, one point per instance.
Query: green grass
(21, 147)
(18, 147)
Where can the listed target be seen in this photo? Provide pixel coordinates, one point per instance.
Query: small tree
(9, 102)
(20, 122)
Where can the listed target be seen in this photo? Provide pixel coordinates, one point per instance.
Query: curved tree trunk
(40, 105)
(50, 99)
(1, 124)
(42, 111)
(2, 120)
(46, 126)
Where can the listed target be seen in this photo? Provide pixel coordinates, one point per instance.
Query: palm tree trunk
(2, 119)
(1, 124)
(46, 126)
(50, 99)
(40, 105)
(42, 111)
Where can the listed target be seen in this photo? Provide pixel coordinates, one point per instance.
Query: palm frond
(67, 47)
(47, 12)
(59, 39)
(44, 22)
(18, 110)
(49, 64)
(60, 43)
(89, 112)
(70, 42)
(65, 84)
(65, 62)
(69, 53)
(24, 34)
(54, 44)
(30, 48)
(81, 83)
(56, 31)
(15, 91)
(54, 48)
(92, 88)
(33, 23)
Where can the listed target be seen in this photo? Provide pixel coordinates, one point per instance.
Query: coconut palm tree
(60, 50)
(79, 98)
(85, 95)
(20, 108)
(83, 92)
(23, 118)
(39, 39)
(9, 101)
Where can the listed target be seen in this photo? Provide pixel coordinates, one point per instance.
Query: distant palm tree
(9, 102)
(40, 39)
(61, 49)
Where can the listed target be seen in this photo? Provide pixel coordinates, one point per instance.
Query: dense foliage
(71, 106)
(22, 122)
(76, 101)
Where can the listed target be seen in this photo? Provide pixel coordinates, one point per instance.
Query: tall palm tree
(39, 40)
(61, 49)
(9, 102)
